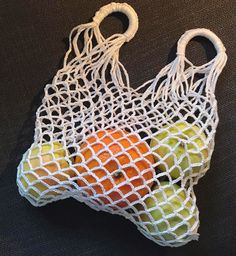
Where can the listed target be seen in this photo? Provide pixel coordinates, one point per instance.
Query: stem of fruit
(117, 174)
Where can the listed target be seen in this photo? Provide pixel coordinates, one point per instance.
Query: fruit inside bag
(118, 149)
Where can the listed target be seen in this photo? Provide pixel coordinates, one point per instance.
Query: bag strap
(190, 34)
(123, 8)
(174, 76)
(212, 68)
(91, 30)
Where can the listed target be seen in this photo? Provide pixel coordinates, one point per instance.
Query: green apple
(43, 161)
(167, 213)
(181, 148)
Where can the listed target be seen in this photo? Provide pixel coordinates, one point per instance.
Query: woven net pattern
(133, 152)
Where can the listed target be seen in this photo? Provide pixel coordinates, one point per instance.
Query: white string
(92, 125)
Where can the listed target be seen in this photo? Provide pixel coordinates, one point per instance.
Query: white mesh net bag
(118, 149)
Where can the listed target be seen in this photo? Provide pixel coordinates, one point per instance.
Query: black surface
(33, 41)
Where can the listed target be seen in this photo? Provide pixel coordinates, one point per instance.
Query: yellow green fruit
(164, 210)
(42, 161)
(181, 147)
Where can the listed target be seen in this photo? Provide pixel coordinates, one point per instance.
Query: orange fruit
(115, 166)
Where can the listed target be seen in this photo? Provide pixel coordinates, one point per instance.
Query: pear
(41, 164)
(180, 149)
(169, 214)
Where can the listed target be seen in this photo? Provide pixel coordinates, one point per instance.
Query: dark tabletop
(33, 40)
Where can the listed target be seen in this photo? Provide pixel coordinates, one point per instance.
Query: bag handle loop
(190, 34)
(123, 8)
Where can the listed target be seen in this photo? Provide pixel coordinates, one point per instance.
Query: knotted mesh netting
(133, 152)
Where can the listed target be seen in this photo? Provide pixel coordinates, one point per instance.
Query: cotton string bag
(118, 149)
